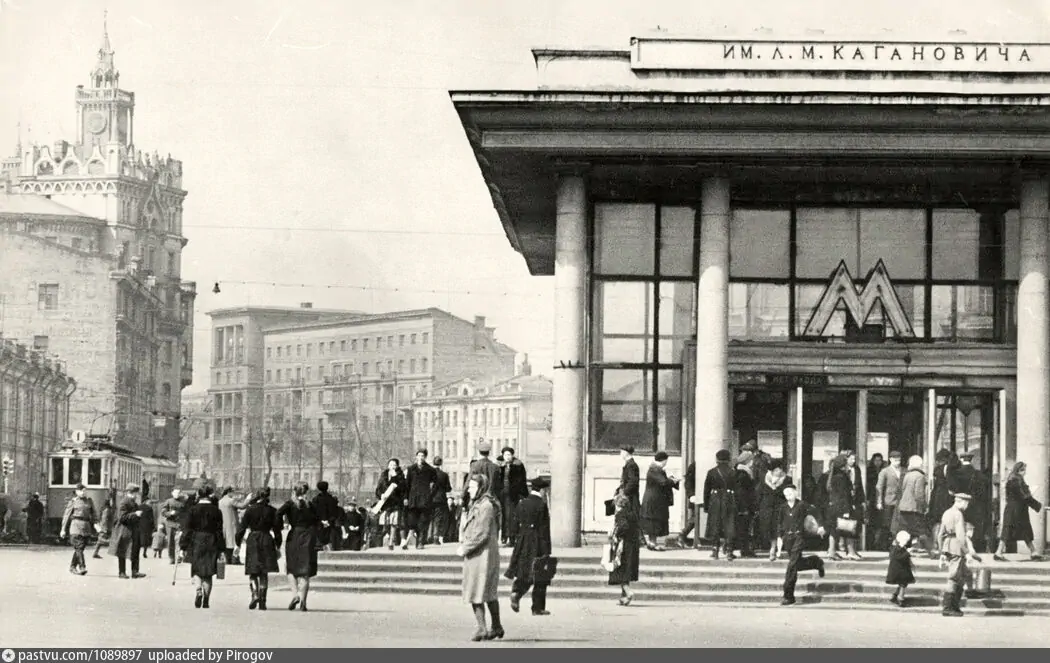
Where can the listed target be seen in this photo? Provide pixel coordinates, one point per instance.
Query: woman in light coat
(228, 507)
(912, 506)
(479, 539)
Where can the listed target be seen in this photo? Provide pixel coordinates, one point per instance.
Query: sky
(323, 158)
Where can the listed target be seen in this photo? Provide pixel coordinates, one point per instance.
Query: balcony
(169, 323)
(187, 376)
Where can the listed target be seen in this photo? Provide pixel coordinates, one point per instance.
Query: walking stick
(175, 572)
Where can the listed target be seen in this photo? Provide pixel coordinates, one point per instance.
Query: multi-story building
(34, 414)
(91, 239)
(300, 376)
(195, 435)
(451, 419)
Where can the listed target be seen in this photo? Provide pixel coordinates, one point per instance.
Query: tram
(105, 469)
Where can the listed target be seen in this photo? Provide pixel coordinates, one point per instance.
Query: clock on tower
(106, 112)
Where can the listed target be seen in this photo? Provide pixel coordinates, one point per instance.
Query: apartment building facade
(329, 394)
(451, 419)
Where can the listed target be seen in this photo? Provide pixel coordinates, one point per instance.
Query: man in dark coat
(486, 467)
(326, 506)
(439, 511)
(420, 479)
(355, 523)
(124, 542)
(630, 478)
(515, 488)
(147, 524)
(967, 480)
(533, 542)
(745, 504)
(690, 521)
(34, 511)
(171, 511)
(720, 504)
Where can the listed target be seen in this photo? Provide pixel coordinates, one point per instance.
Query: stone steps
(688, 576)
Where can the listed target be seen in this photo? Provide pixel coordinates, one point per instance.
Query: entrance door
(895, 423)
(829, 425)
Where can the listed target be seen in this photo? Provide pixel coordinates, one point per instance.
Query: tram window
(94, 473)
(76, 471)
(57, 467)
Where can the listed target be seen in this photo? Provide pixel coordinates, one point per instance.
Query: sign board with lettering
(794, 380)
(650, 53)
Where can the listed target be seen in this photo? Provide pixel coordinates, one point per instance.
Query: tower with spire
(99, 205)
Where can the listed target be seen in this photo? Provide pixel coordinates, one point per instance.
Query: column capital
(566, 168)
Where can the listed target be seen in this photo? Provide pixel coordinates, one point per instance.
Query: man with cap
(955, 552)
(967, 479)
(172, 512)
(78, 522)
(484, 466)
(124, 542)
(420, 478)
(887, 495)
(794, 520)
(532, 543)
(515, 489)
(760, 460)
(720, 504)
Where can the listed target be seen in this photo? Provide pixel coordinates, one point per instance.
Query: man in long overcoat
(124, 542)
(720, 504)
(533, 542)
(326, 506)
(420, 478)
(439, 506)
(515, 488)
(966, 479)
(483, 465)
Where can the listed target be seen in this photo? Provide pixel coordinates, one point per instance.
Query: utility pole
(342, 480)
(360, 442)
(251, 465)
(320, 449)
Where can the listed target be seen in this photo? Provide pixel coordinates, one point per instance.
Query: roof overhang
(521, 139)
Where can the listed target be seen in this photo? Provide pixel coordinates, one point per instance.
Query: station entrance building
(816, 245)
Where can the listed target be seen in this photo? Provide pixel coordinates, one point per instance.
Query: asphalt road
(42, 605)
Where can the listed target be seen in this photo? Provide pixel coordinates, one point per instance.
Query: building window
(425, 338)
(412, 339)
(298, 351)
(643, 312)
(342, 346)
(40, 343)
(308, 345)
(278, 375)
(167, 353)
(269, 353)
(389, 365)
(389, 342)
(173, 264)
(423, 365)
(401, 341)
(412, 366)
(165, 396)
(269, 375)
(364, 368)
(47, 296)
(400, 365)
(364, 344)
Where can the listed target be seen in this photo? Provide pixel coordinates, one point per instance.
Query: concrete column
(570, 374)
(862, 454)
(712, 327)
(1033, 348)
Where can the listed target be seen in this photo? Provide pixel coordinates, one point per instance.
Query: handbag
(544, 569)
(610, 557)
(846, 525)
(220, 569)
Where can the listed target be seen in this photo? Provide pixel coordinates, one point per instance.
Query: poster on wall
(825, 448)
(878, 443)
(772, 442)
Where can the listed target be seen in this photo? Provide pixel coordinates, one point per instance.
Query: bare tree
(273, 444)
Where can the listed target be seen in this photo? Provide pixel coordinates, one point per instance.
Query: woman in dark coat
(263, 528)
(657, 502)
(945, 463)
(745, 503)
(124, 542)
(300, 549)
(720, 504)
(533, 541)
(147, 525)
(871, 479)
(391, 493)
(769, 495)
(840, 504)
(624, 540)
(202, 543)
(1016, 524)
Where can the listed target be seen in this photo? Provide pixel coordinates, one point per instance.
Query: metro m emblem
(878, 289)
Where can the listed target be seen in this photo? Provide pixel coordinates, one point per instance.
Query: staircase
(1018, 588)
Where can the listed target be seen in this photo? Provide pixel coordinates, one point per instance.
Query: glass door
(829, 425)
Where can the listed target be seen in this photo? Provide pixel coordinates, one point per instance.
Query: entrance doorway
(829, 425)
(895, 423)
(761, 416)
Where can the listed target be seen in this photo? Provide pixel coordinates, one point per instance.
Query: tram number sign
(79, 436)
(796, 380)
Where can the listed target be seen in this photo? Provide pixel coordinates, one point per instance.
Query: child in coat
(160, 541)
(901, 571)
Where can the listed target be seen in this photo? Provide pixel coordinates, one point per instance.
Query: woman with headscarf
(479, 540)
(1016, 524)
(839, 509)
(202, 543)
(945, 463)
(911, 509)
(391, 492)
(626, 548)
(300, 548)
(720, 504)
(261, 549)
(657, 502)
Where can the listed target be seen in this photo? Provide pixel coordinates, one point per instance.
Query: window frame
(1004, 289)
(654, 364)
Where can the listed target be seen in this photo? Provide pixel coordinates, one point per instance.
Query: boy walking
(795, 519)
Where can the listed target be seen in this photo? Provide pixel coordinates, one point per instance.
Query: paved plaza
(43, 605)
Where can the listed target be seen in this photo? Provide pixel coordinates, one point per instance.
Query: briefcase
(220, 569)
(610, 507)
(544, 569)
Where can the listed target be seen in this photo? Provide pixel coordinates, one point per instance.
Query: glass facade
(643, 295)
(953, 273)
